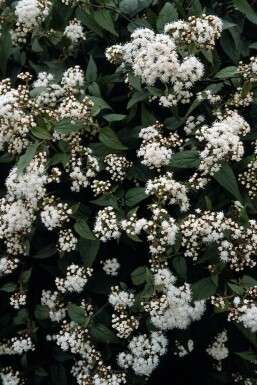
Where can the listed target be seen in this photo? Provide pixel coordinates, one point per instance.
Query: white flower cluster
(106, 225)
(66, 241)
(202, 31)
(7, 265)
(155, 149)
(54, 214)
(31, 13)
(192, 123)
(19, 207)
(117, 166)
(14, 122)
(217, 350)
(248, 178)
(111, 266)
(123, 322)
(71, 108)
(144, 353)
(17, 345)
(174, 308)
(114, 54)
(120, 299)
(75, 280)
(100, 187)
(249, 71)
(56, 307)
(153, 57)
(81, 167)
(244, 311)
(74, 31)
(10, 377)
(222, 142)
(89, 368)
(168, 191)
(183, 351)
(161, 229)
(49, 93)
(17, 300)
(236, 248)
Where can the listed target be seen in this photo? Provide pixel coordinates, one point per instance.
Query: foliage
(128, 200)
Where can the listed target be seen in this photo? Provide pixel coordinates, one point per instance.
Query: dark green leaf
(88, 21)
(5, 50)
(135, 195)
(102, 333)
(26, 158)
(138, 276)
(91, 71)
(114, 117)
(226, 72)
(104, 19)
(110, 139)
(81, 227)
(9, 287)
(244, 7)
(76, 313)
(46, 252)
(248, 356)
(226, 178)
(41, 133)
(58, 374)
(167, 15)
(180, 266)
(203, 289)
(65, 127)
(41, 312)
(185, 159)
(88, 251)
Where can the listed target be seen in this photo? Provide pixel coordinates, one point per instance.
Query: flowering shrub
(128, 226)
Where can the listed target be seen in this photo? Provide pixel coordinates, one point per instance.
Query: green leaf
(203, 289)
(5, 51)
(88, 21)
(114, 117)
(99, 102)
(138, 276)
(46, 252)
(41, 133)
(248, 356)
(108, 137)
(236, 288)
(196, 9)
(244, 7)
(193, 106)
(185, 159)
(6, 158)
(180, 266)
(91, 71)
(81, 227)
(138, 97)
(247, 333)
(102, 333)
(226, 178)
(65, 127)
(167, 15)
(249, 281)
(59, 158)
(26, 275)
(104, 19)
(58, 374)
(41, 312)
(135, 195)
(26, 158)
(76, 313)
(173, 123)
(147, 117)
(227, 72)
(129, 7)
(41, 372)
(253, 46)
(55, 37)
(88, 250)
(9, 287)
(134, 81)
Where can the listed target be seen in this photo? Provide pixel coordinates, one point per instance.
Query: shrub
(128, 216)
